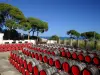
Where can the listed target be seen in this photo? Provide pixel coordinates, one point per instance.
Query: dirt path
(5, 67)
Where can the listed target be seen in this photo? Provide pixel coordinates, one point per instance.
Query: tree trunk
(95, 44)
(33, 33)
(9, 35)
(77, 42)
(71, 41)
(85, 43)
(37, 33)
(28, 35)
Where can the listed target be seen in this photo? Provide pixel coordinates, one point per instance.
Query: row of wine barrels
(84, 51)
(31, 65)
(88, 58)
(58, 62)
(20, 68)
(74, 55)
(61, 73)
(75, 69)
(70, 50)
(31, 62)
(26, 61)
(11, 47)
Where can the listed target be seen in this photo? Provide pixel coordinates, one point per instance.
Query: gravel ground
(5, 67)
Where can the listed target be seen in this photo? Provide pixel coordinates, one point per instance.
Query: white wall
(1, 37)
(17, 41)
(51, 42)
(29, 41)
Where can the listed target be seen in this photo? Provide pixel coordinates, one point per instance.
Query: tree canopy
(10, 12)
(10, 16)
(73, 33)
(13, 18)
(91, 35)
(37, 25)
(11, 24)
(54, 37)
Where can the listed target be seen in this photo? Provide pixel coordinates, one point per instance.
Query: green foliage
(7, 9)
(73, 33)
(16, 13)
(25, 26)
(11, 24)
(33, 21)
(54, 37)
(82, 44)
(14, 18)
(10, 15)
(91, 34)
(37, 25)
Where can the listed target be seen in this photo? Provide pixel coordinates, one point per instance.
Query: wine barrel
(75, 70)
(31, 63)
(81, 66)
(48, 71)
(69, 54)
(59, 61)
(39, 67)
(27, 72)
(77, 67)
(56, 52)
(45, 58)
(88, 58)
(61, 73)
(91, 70)
(75, 55)
(51, 60)
(81, 57)
(96, 61)
(63, 53)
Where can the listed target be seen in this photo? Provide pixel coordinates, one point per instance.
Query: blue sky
(62, 15)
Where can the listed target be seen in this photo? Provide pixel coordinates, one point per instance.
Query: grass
(90, 44)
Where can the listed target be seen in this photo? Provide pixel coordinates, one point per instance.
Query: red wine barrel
(31, 64)
(75, 70)
(39, 67)
(56, 52)
(88, 58)
(91, 70)
(59, 61)
(77, 67)
(45, 58)
(66, 67)
(69, 54)
(75, 55)
(48, 71)
(68, 64)
(27, 72)
(51, 60)
(96, 61)
(81, 66)
(63, 53)
(81, 57)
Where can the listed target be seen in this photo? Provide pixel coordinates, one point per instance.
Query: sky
(62, 15)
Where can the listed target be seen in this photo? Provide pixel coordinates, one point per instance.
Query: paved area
(5, 67)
